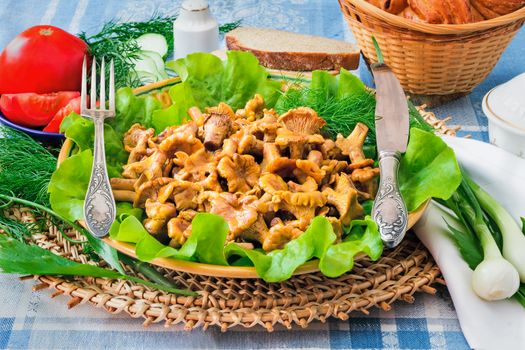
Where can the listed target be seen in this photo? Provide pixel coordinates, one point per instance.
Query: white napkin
(486, 325)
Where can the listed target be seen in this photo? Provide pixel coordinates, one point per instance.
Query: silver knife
(392, 125)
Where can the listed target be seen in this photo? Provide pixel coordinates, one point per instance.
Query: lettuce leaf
(207, 245)
(68, 185)
(131, 109)
(82, 132)
(428, 169)
(363, 237)
(279, 265)
(207, 81)
(175, 114)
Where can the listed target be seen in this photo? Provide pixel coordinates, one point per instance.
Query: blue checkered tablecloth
(33, 320)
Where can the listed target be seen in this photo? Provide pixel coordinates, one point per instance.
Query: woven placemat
(229, 302)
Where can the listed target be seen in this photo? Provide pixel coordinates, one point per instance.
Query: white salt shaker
(195, 29)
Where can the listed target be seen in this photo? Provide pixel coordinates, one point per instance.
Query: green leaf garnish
(18, 257)
(428, 169)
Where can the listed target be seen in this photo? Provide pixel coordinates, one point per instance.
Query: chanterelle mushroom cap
(307, 168)
(302, 205)
(272, 183)
(308, 185)
(316, 157)
(296, 142)
(201, 167)
(132, 136)
(305, 199)
(241, 172)
(365, 174)
(150, 166)
(249, 144)
(344, 198)
(198, 166)
(184, 131)
(136, 142)
(366, 179)
(158, 215)
(149, 190)
(180, 142)
(222, 108)
(302, 120)
(179, 228)
(253, 108)
(352, 146)
(266, 127)
(256, 232)
(332, 166)
(183, 193)
(274, 163)
(176, 231)
(280, 234)
(240, 214)
(330, 150)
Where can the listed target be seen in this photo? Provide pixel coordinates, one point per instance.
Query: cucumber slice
(145, 64)
(169, 67)
(159, 62)
(146, 77)
(153, 42)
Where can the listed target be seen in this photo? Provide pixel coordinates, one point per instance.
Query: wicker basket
(432, 59)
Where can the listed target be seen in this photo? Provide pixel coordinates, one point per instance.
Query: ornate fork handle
(99, 206)
(389, 210)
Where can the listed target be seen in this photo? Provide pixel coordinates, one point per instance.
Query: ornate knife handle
(99, 206)
(390, 212)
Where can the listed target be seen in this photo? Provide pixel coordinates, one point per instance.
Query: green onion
(494, 278)
(513, 238)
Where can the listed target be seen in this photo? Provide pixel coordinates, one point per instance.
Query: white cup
(504, 107)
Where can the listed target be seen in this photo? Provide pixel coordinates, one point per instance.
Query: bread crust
(298, 61)
(495, 8)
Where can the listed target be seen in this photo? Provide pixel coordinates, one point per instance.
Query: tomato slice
(72, 106)
(34, 110)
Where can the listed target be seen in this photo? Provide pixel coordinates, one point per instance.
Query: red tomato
(42, 59)
(34, 110)
(72, 106)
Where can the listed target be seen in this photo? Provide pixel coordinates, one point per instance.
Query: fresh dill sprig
(227, 27)
(17, 229)
(116, 40)
(25, 166)
(342, 114)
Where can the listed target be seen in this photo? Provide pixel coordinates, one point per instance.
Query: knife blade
(392, 127)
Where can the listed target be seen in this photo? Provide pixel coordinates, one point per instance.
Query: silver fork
(99, 206)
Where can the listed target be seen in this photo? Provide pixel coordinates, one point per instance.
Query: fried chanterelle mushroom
(267, 175)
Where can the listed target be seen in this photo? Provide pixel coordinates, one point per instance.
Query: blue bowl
(50, 138)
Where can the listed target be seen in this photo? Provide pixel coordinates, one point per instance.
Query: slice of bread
(279, 49)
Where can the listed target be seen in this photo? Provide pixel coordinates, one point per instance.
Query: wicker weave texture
(229, 302)
(431, 59)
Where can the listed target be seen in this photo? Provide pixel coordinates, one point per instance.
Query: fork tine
(102, 85)
(83, 90)
(112, 87)
(94, 84)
